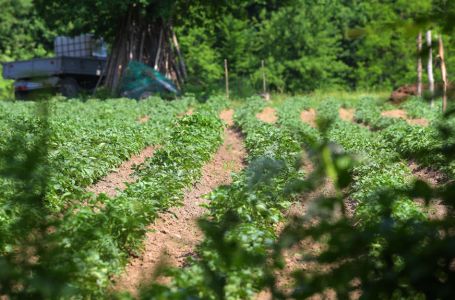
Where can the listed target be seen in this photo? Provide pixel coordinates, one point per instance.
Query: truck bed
(45, 67)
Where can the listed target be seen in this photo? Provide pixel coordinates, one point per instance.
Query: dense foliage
(388, 249)
(369, 236)
(89, 139)
(90, 240)
(306, 44)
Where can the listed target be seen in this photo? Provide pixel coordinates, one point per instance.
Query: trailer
(68, 75)
(78, 66)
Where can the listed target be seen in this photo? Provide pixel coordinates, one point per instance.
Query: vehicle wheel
(145, 95)
(69, 87)
(20, 95)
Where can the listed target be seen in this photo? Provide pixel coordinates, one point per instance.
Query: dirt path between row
(268, 115)
(309, 116)
(143, 119)
(293, 259)
(401, 114)
(116, 180)
(174, 236)
(435, 210)
(347, 114)
(189, 112)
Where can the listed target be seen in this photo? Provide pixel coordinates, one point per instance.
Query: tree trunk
(430, 66)
(179, 53)
(148, 41)
(419, 65)
(444, 74)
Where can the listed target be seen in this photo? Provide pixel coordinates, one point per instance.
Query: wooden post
(265, 95)
(158, 52)
(419, 64)
(226, 75)
(430, 66)
(179, 54)
(264, 86)
(443, 73)
(141, 50)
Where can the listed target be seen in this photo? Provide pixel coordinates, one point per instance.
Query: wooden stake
(141, 49)
(419, 64)
(430, 66)
(444, 74)
(264, 85)
(179, 54)
(226, 75)
(158, 53)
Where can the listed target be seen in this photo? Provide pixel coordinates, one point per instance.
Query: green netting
(141, 80)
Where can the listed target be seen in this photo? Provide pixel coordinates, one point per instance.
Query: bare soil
(115, 181)
(228, 117)
(402, 93)
(436, 209)
(419, 122)
(395, 113)
(346, 114)
(401, 114)
(293, 257)
(174, 236)
(143, 119)
(268, 115)
(189, 112)
(309, 117)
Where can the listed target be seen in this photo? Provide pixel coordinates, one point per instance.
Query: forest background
(306, 45)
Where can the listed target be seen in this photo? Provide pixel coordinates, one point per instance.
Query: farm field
(243, 199)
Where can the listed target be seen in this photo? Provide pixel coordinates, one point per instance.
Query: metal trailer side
(70, 74)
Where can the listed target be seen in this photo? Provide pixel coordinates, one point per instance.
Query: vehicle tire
(20, 95)
(69, 87)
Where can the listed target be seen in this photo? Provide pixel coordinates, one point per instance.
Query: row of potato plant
(378, 167)
(84, 140)
(422, 144)
(92, 241)
(88, 139)
(397, 254)
(240, 225)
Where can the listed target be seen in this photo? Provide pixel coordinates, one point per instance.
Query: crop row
(378, 167)
(92, 241)
(422, 144)
(87, 140)
(242, 216)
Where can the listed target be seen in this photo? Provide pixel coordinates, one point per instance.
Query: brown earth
(435, 209)
(395, 113)
(115, 181)
(174, 236)
(293, 257)
(143, 119)
(402, 93)
(189, 112)
(301, 208)
(401, 114)
(228, 117)
(346, 114)
(309, 116)
(419, 122)
(268, 115)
